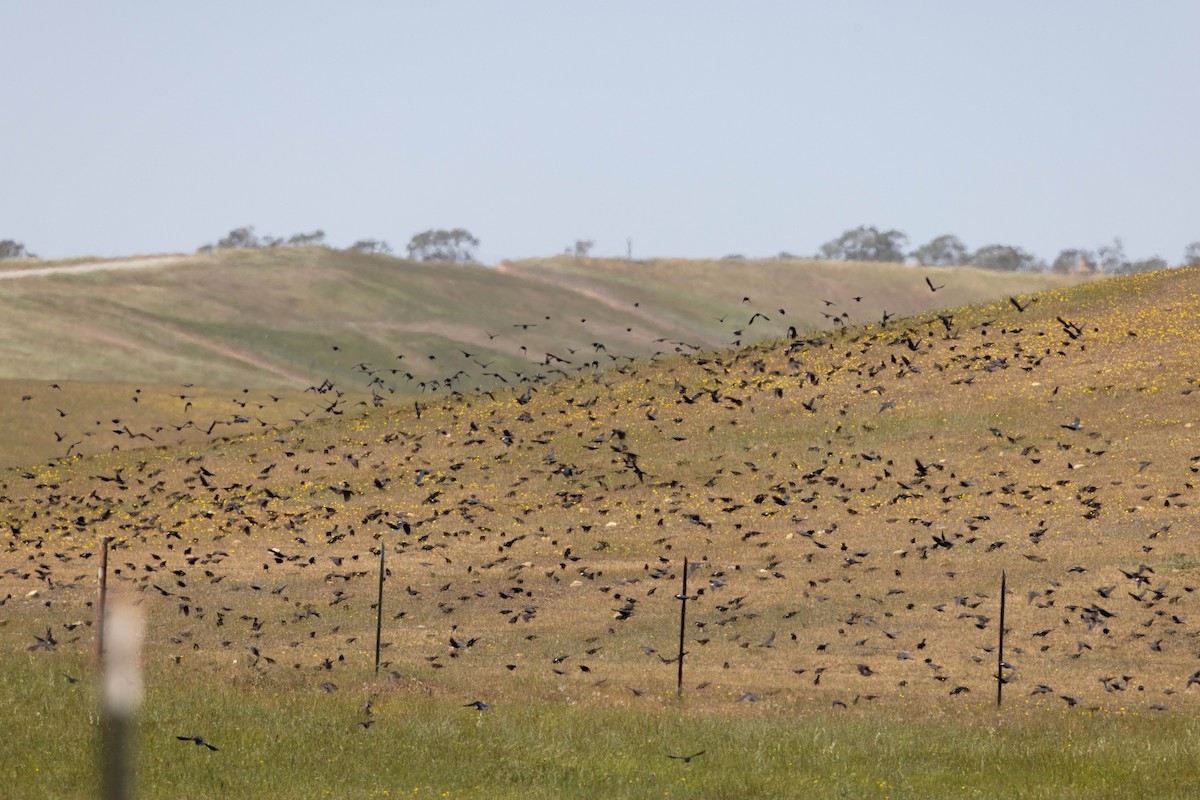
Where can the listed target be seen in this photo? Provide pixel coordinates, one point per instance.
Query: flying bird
(198, 740)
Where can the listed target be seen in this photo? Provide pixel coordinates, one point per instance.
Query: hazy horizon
(696, 130)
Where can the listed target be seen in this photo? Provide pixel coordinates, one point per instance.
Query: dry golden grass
(850, 502)
(48, 421)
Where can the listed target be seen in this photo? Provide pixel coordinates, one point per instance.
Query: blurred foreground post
(122, 695)
(102, 571)
(1000, 649)
(379, 607)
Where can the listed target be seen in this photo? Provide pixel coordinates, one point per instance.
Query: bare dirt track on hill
(92, 266)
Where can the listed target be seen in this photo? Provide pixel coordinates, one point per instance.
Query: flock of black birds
(612, 475)
(474, 374)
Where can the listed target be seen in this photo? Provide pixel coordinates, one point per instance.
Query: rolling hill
(846, 499)
(270, 318)
(273, 323)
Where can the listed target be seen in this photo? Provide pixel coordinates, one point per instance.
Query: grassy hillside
(847, 501)
(293, 318)
(45, 421)
(714, 301)
(132, 345)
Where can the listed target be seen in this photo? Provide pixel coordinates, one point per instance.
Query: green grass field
(848, 500)
(279, 737)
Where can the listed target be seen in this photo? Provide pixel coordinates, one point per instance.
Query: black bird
(933, 288)
(478, 704)
(1070, 328)
(687, 759)
(1021, 308)
(199, 740)
(47, 643)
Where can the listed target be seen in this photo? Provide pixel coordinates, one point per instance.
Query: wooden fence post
(683, 598)
(1000, 649)
(379, 606)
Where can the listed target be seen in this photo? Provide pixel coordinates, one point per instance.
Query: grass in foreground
(282, 739)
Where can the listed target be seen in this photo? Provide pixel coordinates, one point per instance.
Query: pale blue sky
(696, 128)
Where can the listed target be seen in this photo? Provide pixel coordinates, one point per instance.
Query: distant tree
(1071, 259)
(442, 245)
(11, 249)
(1111, 257)
(1191, 254)
(246, 238)
(370, 246)
(238, 239)
(581, 247)
(866, 243)
(1145, 265)
(944, 251)
(1003, 257)
(314, 239)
